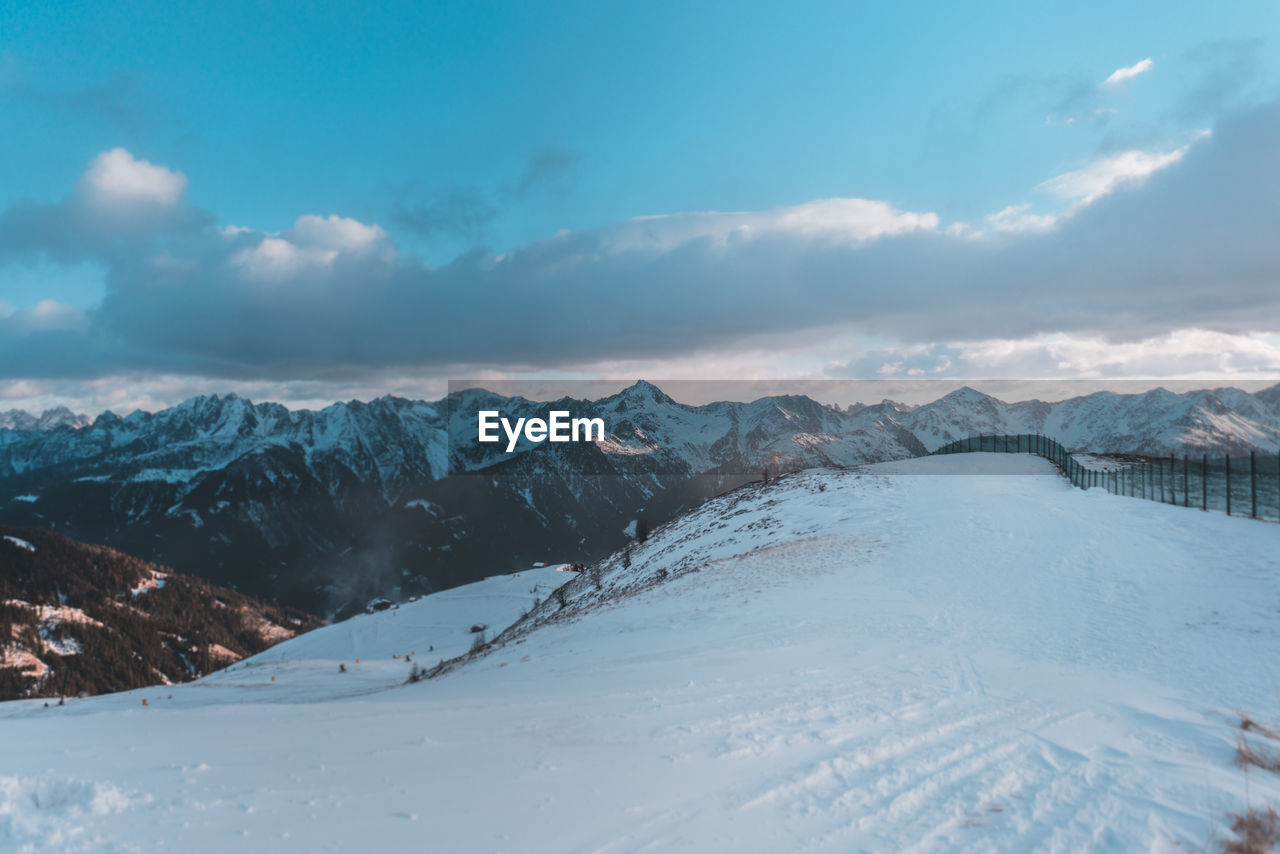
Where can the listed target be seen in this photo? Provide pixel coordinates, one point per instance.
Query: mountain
(834, 661)
(326, 509)
(16, 419)
(82, 618)
(1156, 422)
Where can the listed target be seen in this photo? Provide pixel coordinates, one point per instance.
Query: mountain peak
(644, 391)
(966, 394)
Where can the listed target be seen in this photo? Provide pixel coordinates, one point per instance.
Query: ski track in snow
(892, 663)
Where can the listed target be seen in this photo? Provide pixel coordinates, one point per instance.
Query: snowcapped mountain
(16, 419)
(321, 508)
(393, 496)
(1154, 422)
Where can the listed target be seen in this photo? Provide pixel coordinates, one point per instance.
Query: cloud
(1015, 218)
(547, 166)
(311, 248)
(340, 234)
(117, 99)
(460, 212)
(1165, 242)
(1129, 72)
(849, 221)
(467, 212)
(115, 177)
(1105, 174)
(1184, 353)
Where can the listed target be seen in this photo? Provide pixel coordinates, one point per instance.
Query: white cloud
(1188, 353)
(1107, 173)
(275, 258)
(312, 245)
(848, 220)
(1129, 72)
(1016, 218)
(115, 177)
(48, 315)
(337, 232)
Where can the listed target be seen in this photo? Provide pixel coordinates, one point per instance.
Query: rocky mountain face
(325, 509)
(77, 618)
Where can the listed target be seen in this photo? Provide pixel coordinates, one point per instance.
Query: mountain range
(326, 509)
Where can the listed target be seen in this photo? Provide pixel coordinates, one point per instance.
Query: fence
(1241, 485)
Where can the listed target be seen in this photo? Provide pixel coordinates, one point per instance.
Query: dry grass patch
(1257, 753)
(1257, 832)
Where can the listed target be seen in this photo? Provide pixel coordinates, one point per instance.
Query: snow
(20, 543)
(46, 813)
(153, 582)
(423, 504)
(53, 615)
(965, 464)
(177, 475)
(835, 661)
(28, 498)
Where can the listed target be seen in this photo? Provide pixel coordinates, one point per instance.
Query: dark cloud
(467, 212)
(547, 167)
(118, 100)
(459, 212)
(1192, 246)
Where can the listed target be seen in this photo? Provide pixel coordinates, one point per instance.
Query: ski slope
(862, 660)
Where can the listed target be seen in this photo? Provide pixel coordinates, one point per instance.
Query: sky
(313, 202)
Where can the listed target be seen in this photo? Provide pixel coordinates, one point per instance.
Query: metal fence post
(1204, 483)
(1227, 457)
(1186, 483)
(1253, 486)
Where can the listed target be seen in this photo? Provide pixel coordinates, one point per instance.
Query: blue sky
(454, 127)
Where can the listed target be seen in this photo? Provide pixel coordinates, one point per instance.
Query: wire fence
(1240, 485)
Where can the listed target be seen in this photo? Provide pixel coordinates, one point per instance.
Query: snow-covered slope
(835, 661)
(379, 649)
